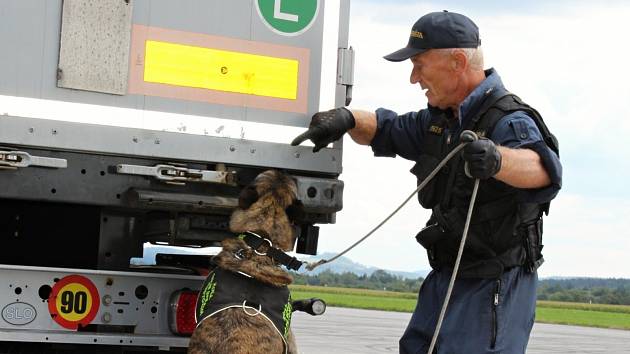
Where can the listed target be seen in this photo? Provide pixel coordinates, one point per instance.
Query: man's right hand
(327, 127)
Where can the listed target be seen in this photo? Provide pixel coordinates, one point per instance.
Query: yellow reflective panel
(222, 70)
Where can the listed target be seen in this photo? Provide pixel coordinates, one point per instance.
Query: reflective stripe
(147, 119)
(191, 66)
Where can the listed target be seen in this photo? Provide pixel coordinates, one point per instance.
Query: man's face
(433, 70)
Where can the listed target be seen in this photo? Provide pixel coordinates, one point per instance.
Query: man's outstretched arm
(365, 127)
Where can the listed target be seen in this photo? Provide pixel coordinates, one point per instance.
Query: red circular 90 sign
(73, 301)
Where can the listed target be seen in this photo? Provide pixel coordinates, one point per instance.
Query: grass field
(591, 315)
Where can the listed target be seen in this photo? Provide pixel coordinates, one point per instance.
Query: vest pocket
(429, 195)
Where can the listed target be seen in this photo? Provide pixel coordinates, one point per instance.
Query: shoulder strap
(507, 104)
(491, 98)
(548, 137)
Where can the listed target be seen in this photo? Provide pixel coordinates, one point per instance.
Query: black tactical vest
(503, 233)
(224, 289)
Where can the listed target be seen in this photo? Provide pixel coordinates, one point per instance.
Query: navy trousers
(484, 315)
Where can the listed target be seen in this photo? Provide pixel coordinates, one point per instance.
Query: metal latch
(177, 175)
(345, 70)
(11, 160)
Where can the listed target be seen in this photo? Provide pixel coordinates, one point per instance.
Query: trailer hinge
(177, 175)
(12, 160)
(345, 71)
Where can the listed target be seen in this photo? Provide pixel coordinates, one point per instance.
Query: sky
(568, 59)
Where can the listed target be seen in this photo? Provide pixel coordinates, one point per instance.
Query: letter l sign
(281, 15)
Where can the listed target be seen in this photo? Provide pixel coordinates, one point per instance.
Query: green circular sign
(288, 17)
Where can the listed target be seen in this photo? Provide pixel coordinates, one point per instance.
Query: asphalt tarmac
(352, 331)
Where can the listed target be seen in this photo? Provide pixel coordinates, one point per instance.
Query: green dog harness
(224, 289)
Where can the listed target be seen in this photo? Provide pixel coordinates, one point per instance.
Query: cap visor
(404, 54)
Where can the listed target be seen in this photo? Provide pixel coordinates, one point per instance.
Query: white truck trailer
(132, 122)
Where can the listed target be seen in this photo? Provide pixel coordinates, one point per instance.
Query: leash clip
(260, 244)
(263, 253)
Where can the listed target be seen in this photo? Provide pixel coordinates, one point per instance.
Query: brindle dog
(262, 209)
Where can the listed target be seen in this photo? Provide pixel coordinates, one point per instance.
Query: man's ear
(459, 61)
(247, 197)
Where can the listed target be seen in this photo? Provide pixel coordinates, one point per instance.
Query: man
(492, 306)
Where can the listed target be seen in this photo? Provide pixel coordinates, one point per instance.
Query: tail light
(182, 317)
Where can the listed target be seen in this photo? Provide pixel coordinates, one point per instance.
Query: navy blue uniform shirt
(403, 135)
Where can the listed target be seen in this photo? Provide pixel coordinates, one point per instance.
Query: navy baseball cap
(438, 30)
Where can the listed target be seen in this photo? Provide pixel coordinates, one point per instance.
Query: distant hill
(345, 264)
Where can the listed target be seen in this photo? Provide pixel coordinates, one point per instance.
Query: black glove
(327, 127)
(483, 160)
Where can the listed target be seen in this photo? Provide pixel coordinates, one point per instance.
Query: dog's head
(262, 207)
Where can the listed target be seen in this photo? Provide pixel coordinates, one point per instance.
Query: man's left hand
(483, 160)
(327, 127)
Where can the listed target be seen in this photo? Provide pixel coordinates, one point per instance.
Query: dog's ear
(248, 196)
(295, 211)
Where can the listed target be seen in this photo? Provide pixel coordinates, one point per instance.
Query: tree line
(584, 290)
(378, 280)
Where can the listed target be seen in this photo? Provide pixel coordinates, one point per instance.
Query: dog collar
(255, 242)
